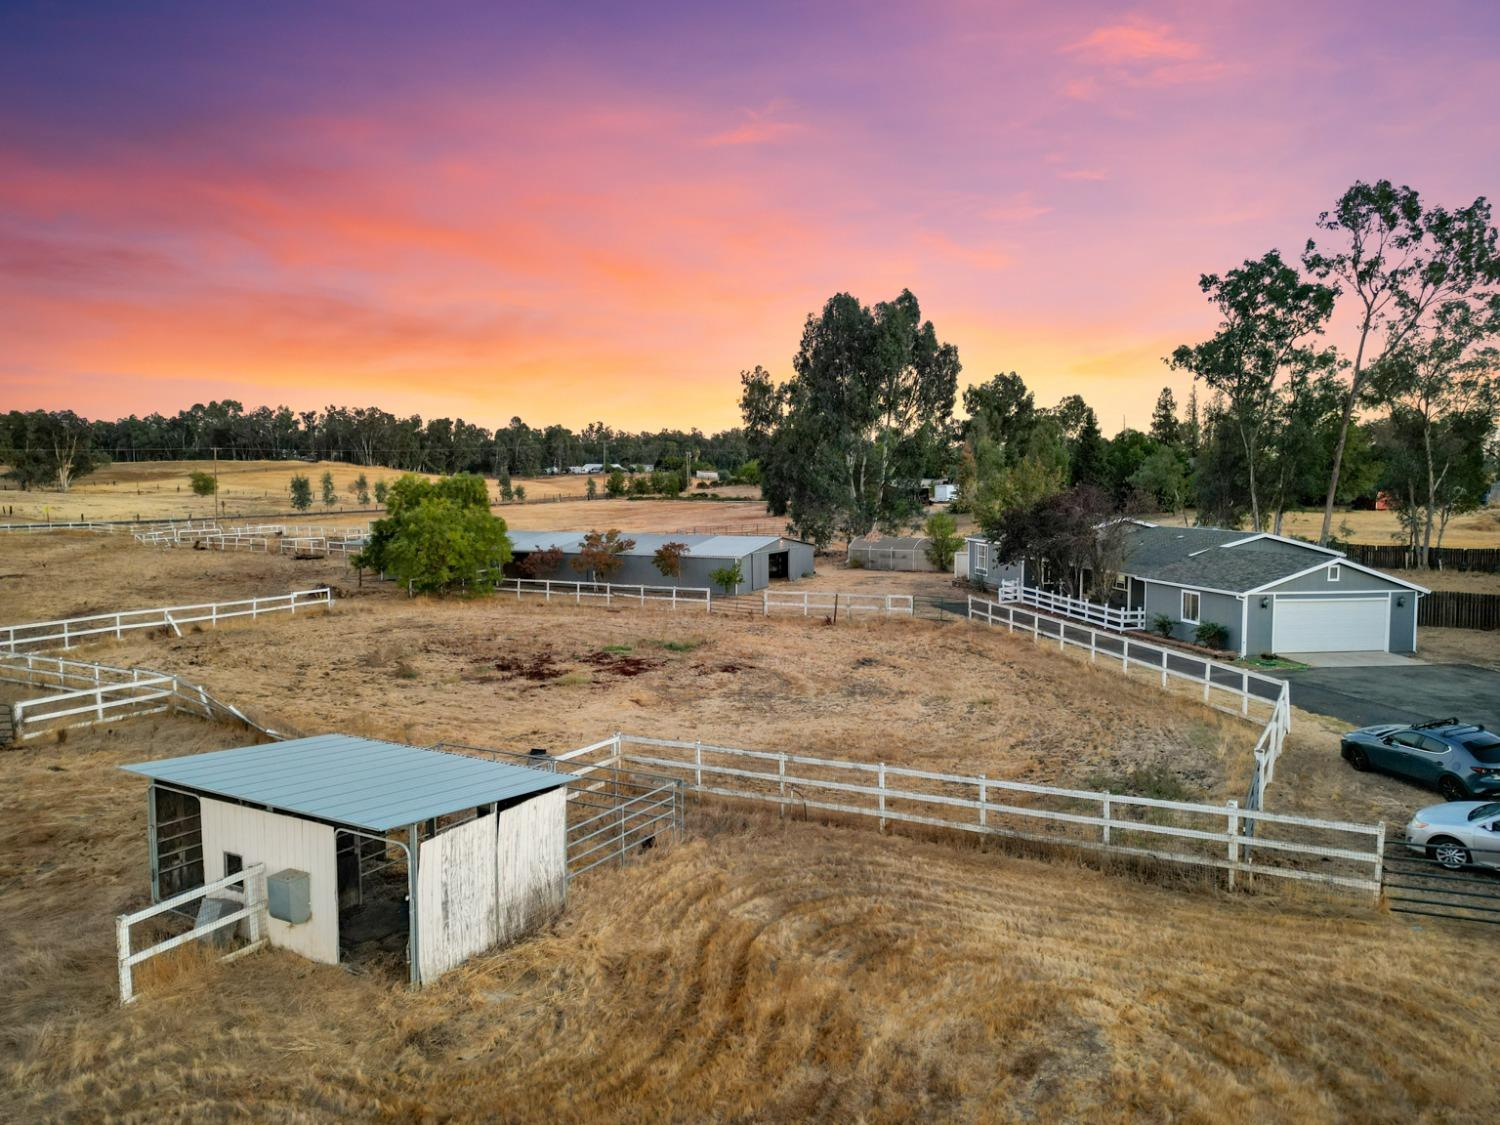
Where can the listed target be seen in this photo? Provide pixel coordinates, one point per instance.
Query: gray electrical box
(289, 896)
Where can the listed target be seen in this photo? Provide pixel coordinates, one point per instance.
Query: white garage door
(1330, 625)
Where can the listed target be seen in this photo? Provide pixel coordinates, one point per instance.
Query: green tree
(727, 578)
(1165, 428)
(519, 492)
(1090, 460)
(381, 490)
(1399, 262)
(330, 493)
(591, 489)
(203, 484)
(41, 448)
(361, 490)
(600, 554)
(942, 530)
(616, 484)
(301, 492)
(1002, 410)
(438, 535)
(1123, 457)
(1268, 313)
(1164, 476)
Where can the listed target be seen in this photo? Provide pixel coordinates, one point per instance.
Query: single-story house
(1270, 593)
(456, 853)
(762, 558)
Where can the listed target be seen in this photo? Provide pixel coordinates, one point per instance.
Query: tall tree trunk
(1250, 466)
(1431, 512)
(1338, 449)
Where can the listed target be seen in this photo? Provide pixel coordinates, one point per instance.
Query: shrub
(591, 489)
(538, 563)
(301, 492)
(616, 484)
(438, 534)
(668, 559)
(382, 490)
(330, 494)
(942, 529)
(519, 492)
(727, 578)
(599, 555)
(203, 483)
(1161, 624)
(1210, 634)
(361, 490)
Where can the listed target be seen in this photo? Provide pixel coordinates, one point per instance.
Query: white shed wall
(456, 907)
(532, 871)
(280, 842)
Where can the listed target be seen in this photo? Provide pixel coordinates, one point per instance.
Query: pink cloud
(762, 126)
(1127, 43)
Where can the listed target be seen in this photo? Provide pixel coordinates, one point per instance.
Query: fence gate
(1415, 883)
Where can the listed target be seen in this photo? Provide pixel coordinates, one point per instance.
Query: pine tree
(1164, 425)
(1191, 432)
(1089, 454)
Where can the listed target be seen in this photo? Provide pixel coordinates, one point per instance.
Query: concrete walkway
(1352, 659)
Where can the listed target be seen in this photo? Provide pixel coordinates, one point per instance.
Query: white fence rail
(579, 593)
(74, 630)
(1225, 837)
(1251, 694)
(807, 603)
(1107, 616)
(251, 910)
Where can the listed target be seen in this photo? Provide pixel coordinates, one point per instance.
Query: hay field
(160, 490)
(1476, 529)
(762, 970)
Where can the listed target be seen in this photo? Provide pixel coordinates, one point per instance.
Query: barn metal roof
(646, 543)
(361, 782)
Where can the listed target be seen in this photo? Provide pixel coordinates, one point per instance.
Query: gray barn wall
(638, 570)
(799, 560)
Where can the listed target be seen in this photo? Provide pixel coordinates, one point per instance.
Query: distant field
(160, 490)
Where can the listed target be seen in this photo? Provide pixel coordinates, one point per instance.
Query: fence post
(1108, 815)
(1244, 692)
(765, 603)
(66, 645)
(984, 818)
(882, 796)
(1379, 859)
(1234, 838)
(255, 603)
(698, 765)
(122, 944)
(1093, 647)
(1208, 671)
(781, 774)
(1163, 668)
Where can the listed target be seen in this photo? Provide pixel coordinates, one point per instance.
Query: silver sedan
(1458, 834)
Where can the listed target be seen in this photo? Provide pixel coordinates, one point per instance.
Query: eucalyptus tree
(1269, 312)
(1399, 262)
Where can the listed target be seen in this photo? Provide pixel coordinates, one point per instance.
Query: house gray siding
(1403, 616)
(995, 574)
(1221, 608)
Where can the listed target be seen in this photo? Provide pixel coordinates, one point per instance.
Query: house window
(981, 558)
(1333, 573)
(1120, 582)
(1190, 607)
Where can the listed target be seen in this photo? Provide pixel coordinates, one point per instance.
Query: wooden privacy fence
(1093, 613)
(807, 603)
(1459, 609)
(1399, 557)
(246, 904)
(1236, 691)
(75, 630)
(85, 694)
(1237, 841)
(607, 593)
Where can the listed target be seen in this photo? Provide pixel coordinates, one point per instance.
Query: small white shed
(338, 821)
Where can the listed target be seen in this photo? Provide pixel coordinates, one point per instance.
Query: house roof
(646, 543)
(361, 782)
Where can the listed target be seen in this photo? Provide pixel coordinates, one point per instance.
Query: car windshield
(1485, 811)
(1484, 746)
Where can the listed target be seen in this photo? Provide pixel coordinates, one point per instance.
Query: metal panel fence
(74, 630)
(1236, 691)
(1237, 841)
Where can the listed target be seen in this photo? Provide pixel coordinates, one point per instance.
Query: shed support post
(413, 936)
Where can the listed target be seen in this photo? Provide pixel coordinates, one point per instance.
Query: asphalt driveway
(1417, 692)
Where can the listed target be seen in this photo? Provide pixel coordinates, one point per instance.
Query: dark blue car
(1460, 760)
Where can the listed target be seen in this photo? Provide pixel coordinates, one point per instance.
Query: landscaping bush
(727, 578)
(1210, 634)
(1161, 624)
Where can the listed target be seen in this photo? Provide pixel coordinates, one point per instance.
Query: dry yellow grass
(1477, 529)
(763, 970)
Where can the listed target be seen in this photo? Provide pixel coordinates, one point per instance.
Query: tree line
(1277, 419)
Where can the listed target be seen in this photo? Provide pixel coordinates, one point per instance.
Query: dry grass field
(160, 490)
(1477, 529)
(762, 970)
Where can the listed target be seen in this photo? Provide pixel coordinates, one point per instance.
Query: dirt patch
(539, 668)
(620, 663)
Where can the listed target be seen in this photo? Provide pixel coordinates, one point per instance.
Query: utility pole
(217, 509)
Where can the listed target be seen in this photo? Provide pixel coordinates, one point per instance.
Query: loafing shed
(1270, 593)
(462, 853)
(762, 558)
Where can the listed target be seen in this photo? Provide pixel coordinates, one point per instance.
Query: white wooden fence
(75, 630)
(253, 912)
(1107, 616)
(1225, 837)
(807, 603)
(1264, 699)
(579, 593)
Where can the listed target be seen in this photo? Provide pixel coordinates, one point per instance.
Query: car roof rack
(1430, 723)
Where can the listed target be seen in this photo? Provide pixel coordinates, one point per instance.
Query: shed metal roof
(361, 782)
(646, 543)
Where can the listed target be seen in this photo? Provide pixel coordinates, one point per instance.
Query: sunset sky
(574, 211)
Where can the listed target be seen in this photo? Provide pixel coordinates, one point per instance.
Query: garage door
(1330, 625)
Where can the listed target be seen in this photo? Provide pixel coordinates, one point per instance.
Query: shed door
(1331, 625)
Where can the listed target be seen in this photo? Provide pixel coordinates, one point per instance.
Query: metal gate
(1415, 883)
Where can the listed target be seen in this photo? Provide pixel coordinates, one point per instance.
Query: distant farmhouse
(1271, 594)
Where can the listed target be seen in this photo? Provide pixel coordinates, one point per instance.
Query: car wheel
(1452, 789)
(1358, 758)
(1448, 852)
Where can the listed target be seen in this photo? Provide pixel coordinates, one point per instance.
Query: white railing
(806, 603)
(1225, 837)
(1217, 680)
(82, 525)
(75, 630)
(579, 593)
(252, 894)
(1107, 616)
(87, 694)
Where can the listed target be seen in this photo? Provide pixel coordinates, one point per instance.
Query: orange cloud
(1125, 43)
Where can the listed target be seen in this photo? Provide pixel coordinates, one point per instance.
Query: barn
(363, 839)
(762, 558)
